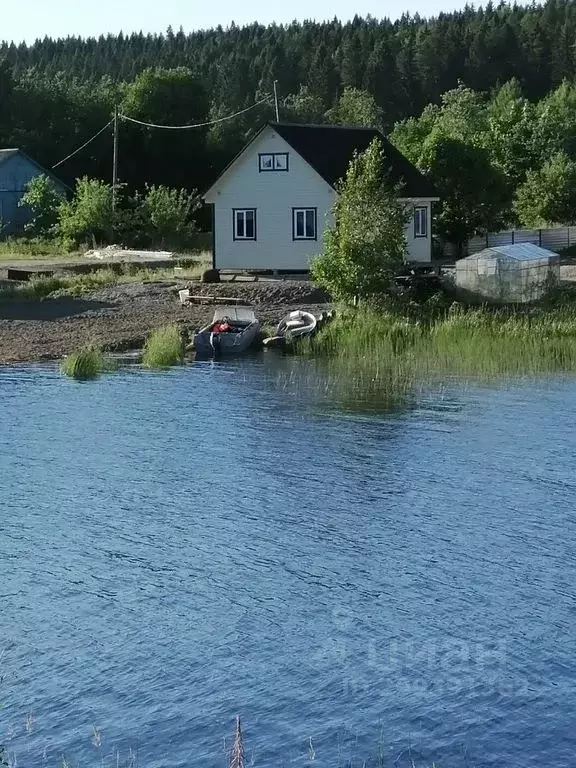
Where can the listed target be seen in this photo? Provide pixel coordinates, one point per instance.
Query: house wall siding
(274, 195)
(15, 173)
(419, 248)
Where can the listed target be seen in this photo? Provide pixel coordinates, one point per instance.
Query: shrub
(365, 248)
(43, 200)
(89, 215)
(548, 195)
(167, 214)
(163, 348)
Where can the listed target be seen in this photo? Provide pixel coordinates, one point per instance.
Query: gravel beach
(121, 316)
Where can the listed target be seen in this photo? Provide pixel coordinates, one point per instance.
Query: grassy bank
(78, 284)
(385, 356)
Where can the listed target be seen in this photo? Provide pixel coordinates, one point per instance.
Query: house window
(272, 161)
(244, 220)
(303, 223)
(421, 221)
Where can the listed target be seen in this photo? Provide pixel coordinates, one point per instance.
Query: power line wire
(198, 125)
(83, 145)
(167, 127)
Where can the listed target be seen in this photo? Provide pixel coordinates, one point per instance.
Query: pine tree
(323, 78)
(383, 81)
(6, 97)
(352, 63)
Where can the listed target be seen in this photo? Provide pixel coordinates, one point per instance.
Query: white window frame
(305, 211)
(420, 214)
(243, 212)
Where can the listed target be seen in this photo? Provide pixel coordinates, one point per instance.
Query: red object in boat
(221, 327)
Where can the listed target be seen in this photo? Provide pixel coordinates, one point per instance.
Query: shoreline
(120, 317)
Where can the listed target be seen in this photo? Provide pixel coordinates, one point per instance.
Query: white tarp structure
(521, 272)
(117, 253)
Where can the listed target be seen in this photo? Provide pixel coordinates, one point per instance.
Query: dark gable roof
(329, 149)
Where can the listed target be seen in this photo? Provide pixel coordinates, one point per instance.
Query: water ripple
(179, 547)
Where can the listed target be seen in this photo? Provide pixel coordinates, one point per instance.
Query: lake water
(180, 547)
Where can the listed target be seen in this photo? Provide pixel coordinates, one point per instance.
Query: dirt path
(120, 317)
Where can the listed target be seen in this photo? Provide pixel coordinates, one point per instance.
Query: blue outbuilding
(16, 170)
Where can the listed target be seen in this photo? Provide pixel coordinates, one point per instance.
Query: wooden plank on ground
(204, 299)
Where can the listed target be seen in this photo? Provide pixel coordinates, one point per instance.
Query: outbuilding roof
(517, 252)
(6, 154)
(329, 149)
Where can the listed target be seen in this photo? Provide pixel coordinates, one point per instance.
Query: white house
(271, 205)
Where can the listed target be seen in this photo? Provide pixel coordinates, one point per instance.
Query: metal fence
(555, 239)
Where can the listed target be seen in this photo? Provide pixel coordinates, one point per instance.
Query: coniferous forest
(479, 97)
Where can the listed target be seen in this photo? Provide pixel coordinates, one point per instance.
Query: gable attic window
(244, 223)
(272, 161)
(421, 221)
(303, 223)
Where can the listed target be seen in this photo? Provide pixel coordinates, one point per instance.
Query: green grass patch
(52, 287)
(268, 330)
(76, 285)
(85, 363)
(41, 287)
(36, 248)
(37, 288)
(163, 348)
(24, 249)
(192, 266)
(79, 284)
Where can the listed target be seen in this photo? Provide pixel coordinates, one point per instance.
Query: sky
(30, 19)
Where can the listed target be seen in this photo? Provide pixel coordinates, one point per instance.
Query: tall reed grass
(383, 357)
(85, 363)
(163, 348)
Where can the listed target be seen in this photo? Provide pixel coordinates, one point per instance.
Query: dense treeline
(55, 94)
(405, 64)
(497, 161)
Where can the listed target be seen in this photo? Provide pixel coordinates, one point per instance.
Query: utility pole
(115, 160)
(276, 102)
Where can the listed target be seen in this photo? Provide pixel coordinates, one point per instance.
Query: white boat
(296, 325)
(232, 331)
